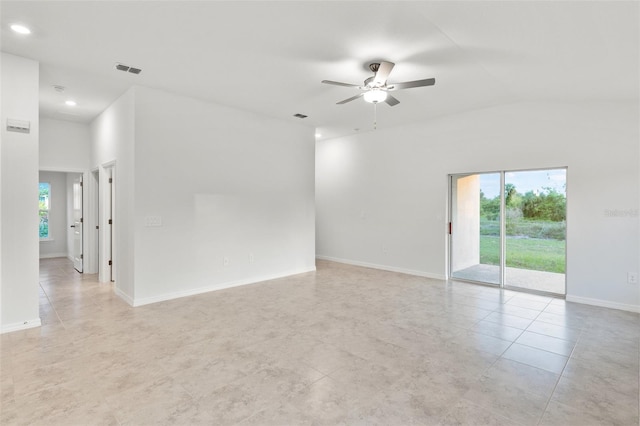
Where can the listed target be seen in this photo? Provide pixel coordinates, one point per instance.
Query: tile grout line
(52, 306)
(560, 376)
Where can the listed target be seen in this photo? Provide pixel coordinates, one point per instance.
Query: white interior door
(77, 224)
(107, 255)
(112, 199)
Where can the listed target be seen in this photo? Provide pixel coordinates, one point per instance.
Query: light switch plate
(152, 221)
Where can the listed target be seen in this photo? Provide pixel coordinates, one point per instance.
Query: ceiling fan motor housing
(369, 82)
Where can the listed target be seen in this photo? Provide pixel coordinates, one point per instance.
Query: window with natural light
(44, 206)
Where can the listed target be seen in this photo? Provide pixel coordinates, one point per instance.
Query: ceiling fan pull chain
(375, 116)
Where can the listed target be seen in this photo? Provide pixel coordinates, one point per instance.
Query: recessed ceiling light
(70, 103)
(20, 29)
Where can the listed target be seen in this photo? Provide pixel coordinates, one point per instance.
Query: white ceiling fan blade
(337, 83)
(410, 84)
(353, 98)
(383, 73)
(391, 101)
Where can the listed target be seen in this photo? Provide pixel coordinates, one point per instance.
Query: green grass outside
(526, 253)
(525, 228)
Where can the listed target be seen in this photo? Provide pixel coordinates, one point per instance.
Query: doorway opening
(508, 229)
(93, 228)
(61, 211)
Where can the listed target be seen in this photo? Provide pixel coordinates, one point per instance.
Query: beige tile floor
(343, 345)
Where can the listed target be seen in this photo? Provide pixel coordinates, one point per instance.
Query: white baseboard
(52, 255)
(16, 326)
(603, 303)
(382, 267)
(122, 295)
(178, 294)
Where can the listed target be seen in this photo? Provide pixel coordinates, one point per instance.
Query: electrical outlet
(225, 261)
(632, 277)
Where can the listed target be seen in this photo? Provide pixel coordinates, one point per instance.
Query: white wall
(19, 195)
(225, 183)
(112, 145)
(389, 187)
(64, 145)
(56, 245)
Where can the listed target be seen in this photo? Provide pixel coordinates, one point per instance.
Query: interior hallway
(343, 345)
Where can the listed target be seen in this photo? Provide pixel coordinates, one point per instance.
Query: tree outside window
(44, 206)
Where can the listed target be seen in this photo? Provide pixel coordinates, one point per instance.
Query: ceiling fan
(376, 88)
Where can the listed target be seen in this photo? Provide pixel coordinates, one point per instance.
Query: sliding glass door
(475, 227)
(535, 228)
(509, 229)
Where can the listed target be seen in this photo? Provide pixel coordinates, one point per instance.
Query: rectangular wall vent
(20, 126)
(127, 68)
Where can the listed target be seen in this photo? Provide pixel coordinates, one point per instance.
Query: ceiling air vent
(300, 115)
(127, 68)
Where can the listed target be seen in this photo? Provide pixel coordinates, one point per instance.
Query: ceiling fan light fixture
(374, 96)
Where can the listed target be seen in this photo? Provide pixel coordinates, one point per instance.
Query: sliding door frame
(503, 234)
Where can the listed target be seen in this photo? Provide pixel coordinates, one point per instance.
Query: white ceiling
(269, 57)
